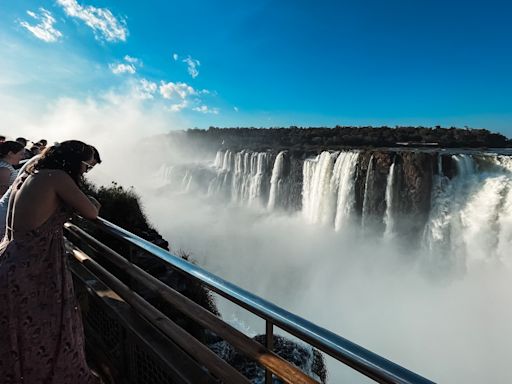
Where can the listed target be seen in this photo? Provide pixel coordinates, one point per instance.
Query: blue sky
(262, 63)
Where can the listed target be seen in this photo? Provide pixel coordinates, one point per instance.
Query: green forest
(338, 137)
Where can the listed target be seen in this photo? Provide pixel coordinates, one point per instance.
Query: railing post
(269, 343)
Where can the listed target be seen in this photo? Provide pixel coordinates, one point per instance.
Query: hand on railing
(95, 202)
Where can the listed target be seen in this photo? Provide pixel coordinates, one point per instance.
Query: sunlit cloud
(146, 89)
(179, 90)
(192, 65)
(133, 60)
(104, 24)
(185, 96)
(44, 30)
(179, 93)
(179, 106)
(206, 109)
(121, 68)
(129, 67)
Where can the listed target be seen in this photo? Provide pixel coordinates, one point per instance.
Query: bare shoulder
(55, 176)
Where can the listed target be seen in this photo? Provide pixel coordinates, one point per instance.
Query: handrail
(248, 346)
(366, 362)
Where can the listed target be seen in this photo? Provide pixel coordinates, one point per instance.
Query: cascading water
(442, 233)
(470, 214)
(218, 160)
(242, 177)
(258, 174)
(276, 182)
(163, 176)
(317, 195)
(388, 218)
(367, 194)
(223, 165)
(342, 182)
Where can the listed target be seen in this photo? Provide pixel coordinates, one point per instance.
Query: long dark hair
(10, 146)
(66, 156)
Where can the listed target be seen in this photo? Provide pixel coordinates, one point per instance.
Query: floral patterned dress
(41, 334)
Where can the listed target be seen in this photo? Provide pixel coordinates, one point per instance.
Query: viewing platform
(132, 339)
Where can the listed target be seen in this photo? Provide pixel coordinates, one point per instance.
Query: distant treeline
(299, 138)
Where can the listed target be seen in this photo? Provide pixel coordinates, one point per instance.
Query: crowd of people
(41, 334)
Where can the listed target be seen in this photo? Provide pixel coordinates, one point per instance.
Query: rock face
(308, 359)
(414, 187)
(372, 193)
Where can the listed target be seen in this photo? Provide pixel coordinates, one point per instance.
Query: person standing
(11, 152)
(41, 333)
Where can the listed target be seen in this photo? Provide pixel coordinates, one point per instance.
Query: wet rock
(306, 358)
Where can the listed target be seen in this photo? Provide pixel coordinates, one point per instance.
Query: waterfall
(367, 193)
(442, 233)
(222, 166)
(218, 159)
(470, 216)
(342, 182)
(241, 177)
(186, 181)
(256, 189)
(276, 181)
(227, 163)
(317, 195)
(479, 217)
(388, 217)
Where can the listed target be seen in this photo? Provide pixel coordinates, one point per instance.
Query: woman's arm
(69, 192)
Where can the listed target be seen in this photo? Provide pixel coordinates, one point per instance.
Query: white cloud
(184, 96)
(176, 90)
(44, 30)
(206, 109)
(192, 66)
(101, 20)
(179, 106)
(122, 68)
(145, 89)
(131, 67)
(132, 60)
(175, 56)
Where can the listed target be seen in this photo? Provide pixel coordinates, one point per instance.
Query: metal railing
(358, 358)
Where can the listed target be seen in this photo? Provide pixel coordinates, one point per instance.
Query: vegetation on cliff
(339, 137)
(122, 206)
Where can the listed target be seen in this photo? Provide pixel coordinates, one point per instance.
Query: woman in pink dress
(41, 334)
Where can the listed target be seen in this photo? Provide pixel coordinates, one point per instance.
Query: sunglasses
(88, 166)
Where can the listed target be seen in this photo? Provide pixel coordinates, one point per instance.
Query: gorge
(430, 199)
(402, 250)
